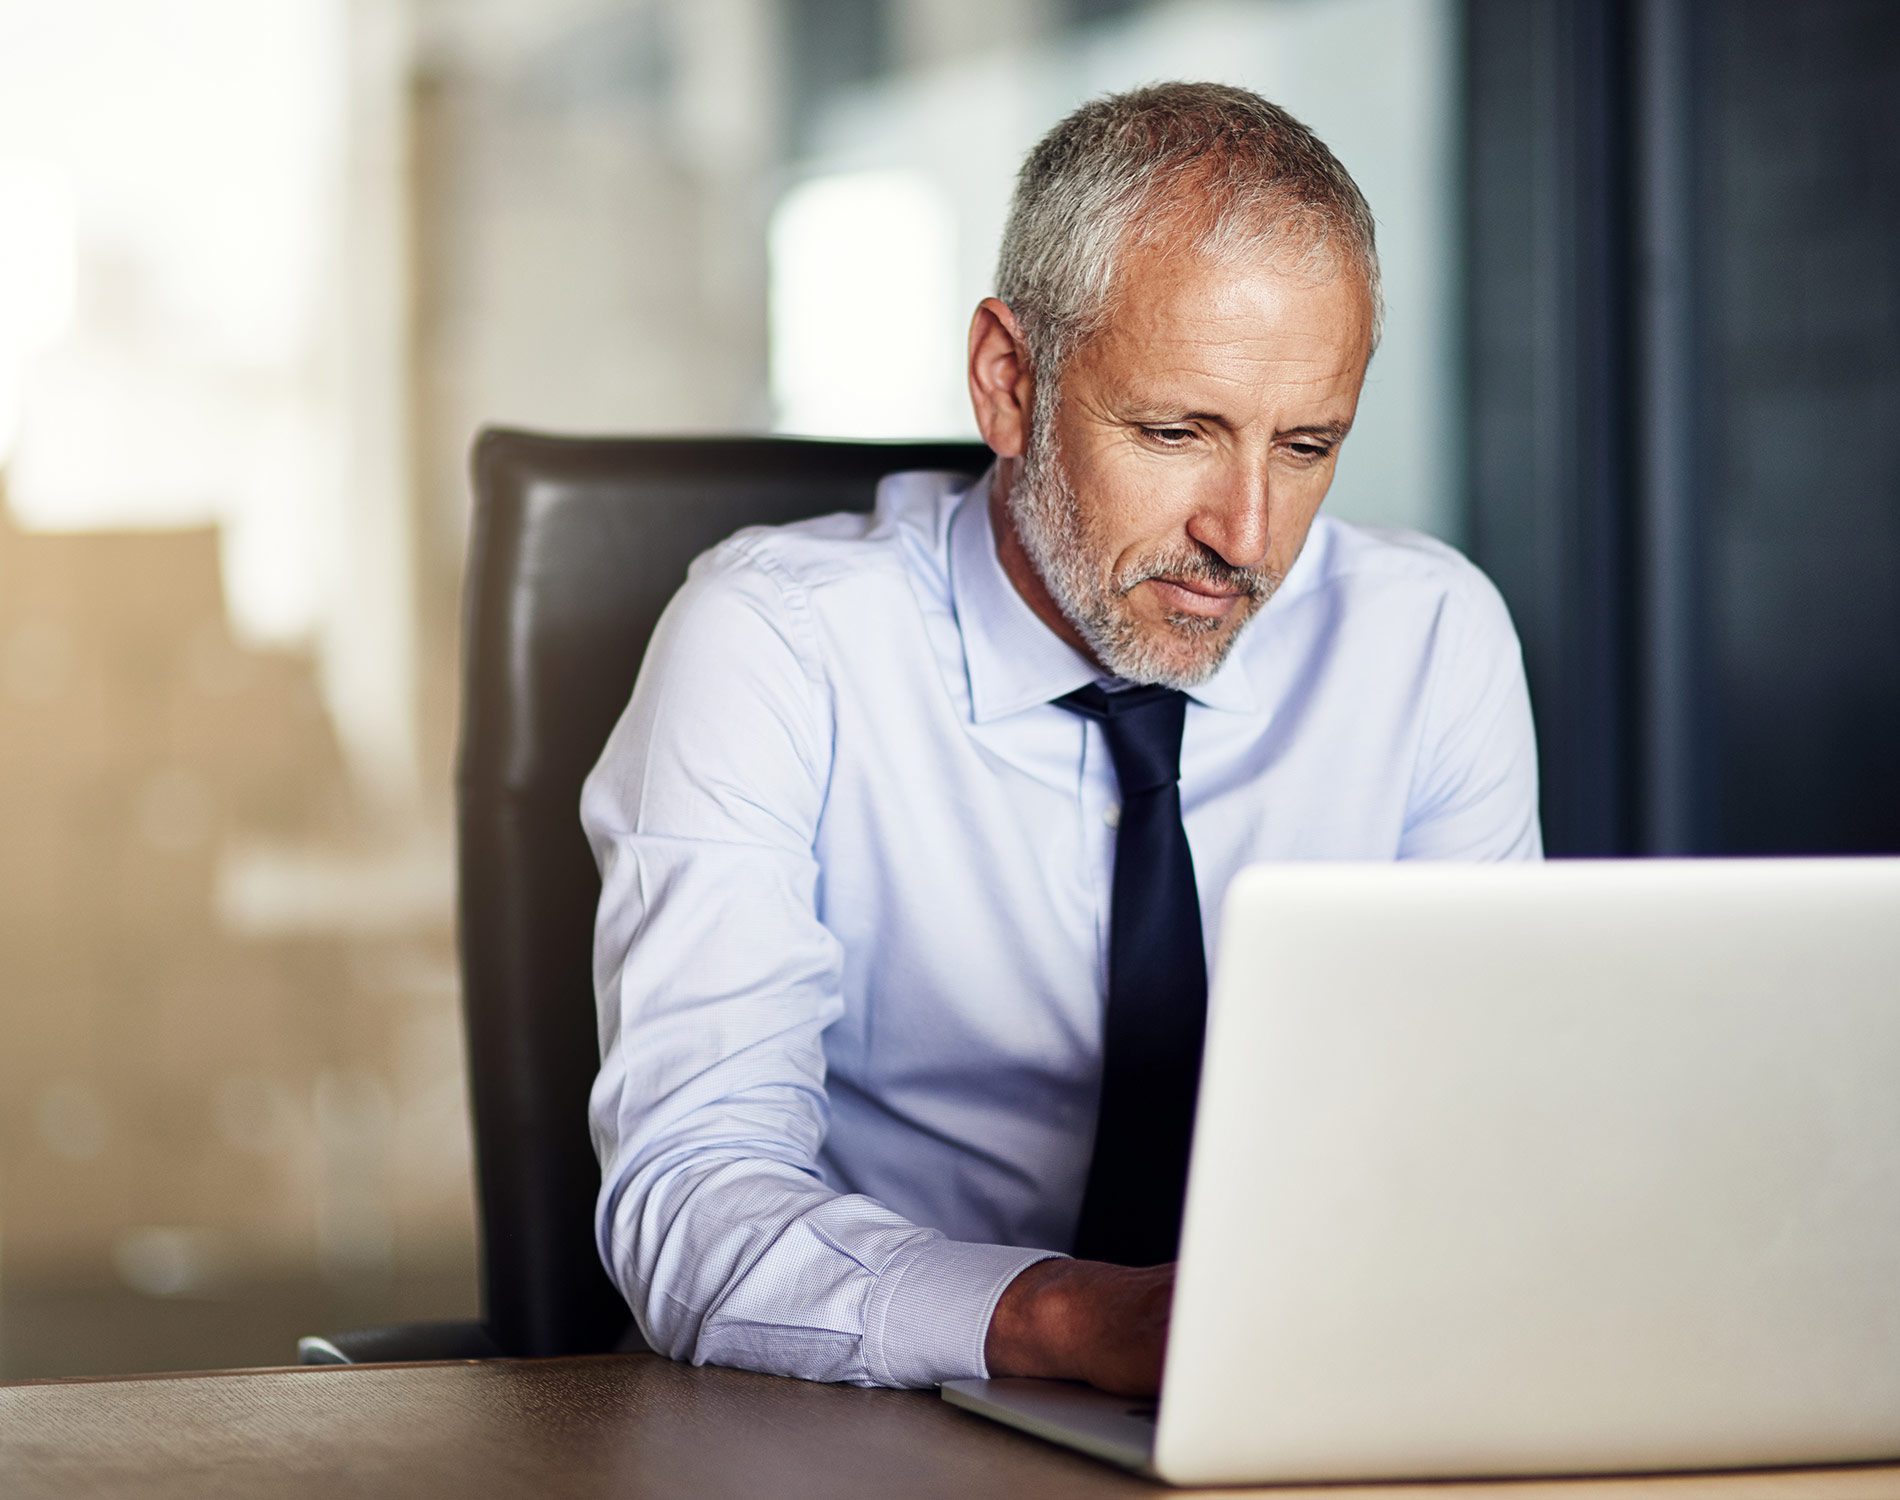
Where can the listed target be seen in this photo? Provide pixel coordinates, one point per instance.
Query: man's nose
(1235, 518)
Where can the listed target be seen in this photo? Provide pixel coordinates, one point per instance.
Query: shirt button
(1112, 815)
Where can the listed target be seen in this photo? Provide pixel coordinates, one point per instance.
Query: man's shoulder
(902, 537)
(1352, 549)
(1405, 568)
(796, 557)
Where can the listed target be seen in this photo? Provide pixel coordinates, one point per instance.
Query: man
(914, 835)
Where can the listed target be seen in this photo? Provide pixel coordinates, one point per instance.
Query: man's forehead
(1186, 316)
(1154, 280)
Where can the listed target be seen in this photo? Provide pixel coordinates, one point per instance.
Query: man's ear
(1002, 384)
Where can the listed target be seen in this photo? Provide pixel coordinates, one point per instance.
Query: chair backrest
(577, 545)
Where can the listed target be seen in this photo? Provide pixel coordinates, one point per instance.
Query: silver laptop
(1532, 1170)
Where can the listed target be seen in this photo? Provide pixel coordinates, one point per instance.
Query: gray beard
(1184, 650)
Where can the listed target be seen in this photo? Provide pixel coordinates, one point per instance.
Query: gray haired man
(914, 834)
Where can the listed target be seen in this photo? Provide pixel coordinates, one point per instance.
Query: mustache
(1203, 566)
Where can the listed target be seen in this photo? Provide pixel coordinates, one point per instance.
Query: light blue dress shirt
(853, 934)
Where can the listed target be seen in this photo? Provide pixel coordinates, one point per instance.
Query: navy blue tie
(1157, 989)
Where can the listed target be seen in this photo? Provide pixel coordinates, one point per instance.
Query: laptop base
(1120, 1429)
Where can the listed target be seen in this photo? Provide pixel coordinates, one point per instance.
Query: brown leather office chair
(577, 545)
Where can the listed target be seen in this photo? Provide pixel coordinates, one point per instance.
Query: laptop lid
(1535, 1169)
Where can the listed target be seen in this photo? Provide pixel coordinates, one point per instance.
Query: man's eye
(1309, 450)
(1172, 437)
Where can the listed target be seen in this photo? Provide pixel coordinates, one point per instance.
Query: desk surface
(625, 1426)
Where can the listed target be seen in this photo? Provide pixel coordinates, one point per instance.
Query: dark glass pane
(1800, 159)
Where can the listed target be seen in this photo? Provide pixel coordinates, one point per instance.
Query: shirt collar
(1014, 660)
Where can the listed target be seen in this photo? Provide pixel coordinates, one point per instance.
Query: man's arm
(715, 982)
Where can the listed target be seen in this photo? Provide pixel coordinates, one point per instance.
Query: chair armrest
(399, 1343)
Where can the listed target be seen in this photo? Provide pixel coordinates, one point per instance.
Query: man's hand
(1083, 1320)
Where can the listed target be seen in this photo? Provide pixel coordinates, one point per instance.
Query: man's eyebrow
(1160, 415)
(1173, 417)
(1332, 432)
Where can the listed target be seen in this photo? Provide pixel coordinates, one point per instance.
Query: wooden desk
(625, 1426)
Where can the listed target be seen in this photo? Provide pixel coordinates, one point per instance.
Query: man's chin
(1178, 654)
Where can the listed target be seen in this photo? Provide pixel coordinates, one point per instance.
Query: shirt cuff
(929, 1313)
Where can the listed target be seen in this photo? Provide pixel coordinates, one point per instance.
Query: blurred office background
(266, 265)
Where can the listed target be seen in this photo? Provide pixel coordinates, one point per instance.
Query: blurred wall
(231, 1102)
(664, 216)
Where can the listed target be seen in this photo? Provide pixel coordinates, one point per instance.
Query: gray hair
(1215, 168)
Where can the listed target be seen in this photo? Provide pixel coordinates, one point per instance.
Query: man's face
(1170, 485)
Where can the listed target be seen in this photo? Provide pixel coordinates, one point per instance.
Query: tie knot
(1143, 726)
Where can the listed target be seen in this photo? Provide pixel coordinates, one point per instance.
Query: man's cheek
(1158, 517)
